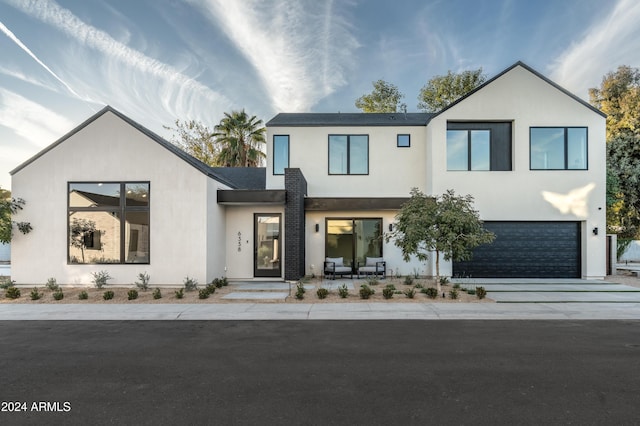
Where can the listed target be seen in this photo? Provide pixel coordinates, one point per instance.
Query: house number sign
(239, 241)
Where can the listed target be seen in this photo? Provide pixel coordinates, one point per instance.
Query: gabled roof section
(532, 71)
(243, 177)
(204, 168)
(349, 119)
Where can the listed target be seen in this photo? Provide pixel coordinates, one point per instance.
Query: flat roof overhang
(252, 196)
(351, 203)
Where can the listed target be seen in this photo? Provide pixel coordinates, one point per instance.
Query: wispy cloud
(25, 78)
(176, 89)
(20, 44)
(610, 42)
(302, 50)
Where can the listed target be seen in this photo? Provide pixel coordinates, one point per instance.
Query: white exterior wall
(523, 194)
(216, 233)
(393, 171)
(315, 242)
(109, 149)
(240, 240)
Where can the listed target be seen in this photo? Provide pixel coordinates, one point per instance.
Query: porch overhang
(351, 203)
(252, 196)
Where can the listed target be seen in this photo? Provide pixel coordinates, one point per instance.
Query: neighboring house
(530, 153)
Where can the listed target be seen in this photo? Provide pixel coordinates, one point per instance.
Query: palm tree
(241, 138)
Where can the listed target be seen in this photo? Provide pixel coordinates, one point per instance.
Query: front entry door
(266, 248)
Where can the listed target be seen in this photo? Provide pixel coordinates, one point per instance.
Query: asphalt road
(324, 372)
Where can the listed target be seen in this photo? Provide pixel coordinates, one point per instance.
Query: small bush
(217, 282)
(343, 291)
(471, 291)
(408, 280)
(225, 281)
(157, 294)
(203, 293)
(35, 294)
(410, 292)
(322, 293)
(431, 292)
(83, 295)
(366, 291)
(143, 283)
(373, 280)
(300, 290)
(100, 278)
(444, 280)
(190, 284)
(5, 283)
(58, 294)
(453, 294)
(456, 286)
(12, 293)
(419, 285)
(52, 284)
(210, 288)
(108, 295)
(387, 292)
(132, 294)
(180, 293)
(481, 292)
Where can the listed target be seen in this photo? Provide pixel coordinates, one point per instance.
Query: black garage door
(526, 250)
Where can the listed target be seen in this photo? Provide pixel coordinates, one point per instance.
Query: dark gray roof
(243, 177)
(215, 173)
(349, 119)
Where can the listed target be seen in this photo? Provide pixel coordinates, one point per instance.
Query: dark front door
(267, 247)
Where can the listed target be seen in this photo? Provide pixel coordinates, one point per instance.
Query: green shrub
(203, 293)
(108, 295)
(217, 282)
(100, 278)
(410, 292)
(157, 294)
(456, 286)
(12, 293)
(225, 281)
(419, 285)
(58, 294)
(6, 283)
(444, 280)
(143, 283)
(453, 294)
(431, 292)
(366, 291)
(343, 291)
(408, 280)
(180, 293)
(132, 294)
(35, 294)
(52, 284)
(190, 284)
(387, 292)
(210, 288)
(481, 292)
(300, 290)
(322, 293)
(83, 295)
(471, 291)
(373, 280)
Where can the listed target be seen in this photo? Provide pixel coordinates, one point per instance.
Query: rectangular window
(479, 146)
(353, 239)
(280, 154)
(404, 141)
(348, 154)
(108, 222)
(558, 148)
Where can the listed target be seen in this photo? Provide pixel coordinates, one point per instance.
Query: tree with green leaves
(443, 90)
(80, 229)
(8, 207)
(197, 140)
(241, 139)
(445, 225)
(619, 97)
(385, 97)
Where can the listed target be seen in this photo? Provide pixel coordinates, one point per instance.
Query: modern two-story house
(112, 195)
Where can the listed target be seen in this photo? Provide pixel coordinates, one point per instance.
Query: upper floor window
(404, 141)
(348, 154)
(280, 154)
(108, 222)
(478, 146)
(558, 148)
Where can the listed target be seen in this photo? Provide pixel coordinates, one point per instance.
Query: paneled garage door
(526, 250)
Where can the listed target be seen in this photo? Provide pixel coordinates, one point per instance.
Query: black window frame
(500, 143)
(348, 136)
(273, 146)
(565, 148)
(398, 140)
(122, 209)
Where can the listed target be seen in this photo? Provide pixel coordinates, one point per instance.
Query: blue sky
(161, 60)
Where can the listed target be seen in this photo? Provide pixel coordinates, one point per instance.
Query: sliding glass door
(353, 239)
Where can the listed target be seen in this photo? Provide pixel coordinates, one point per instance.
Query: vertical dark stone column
(294, 224)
